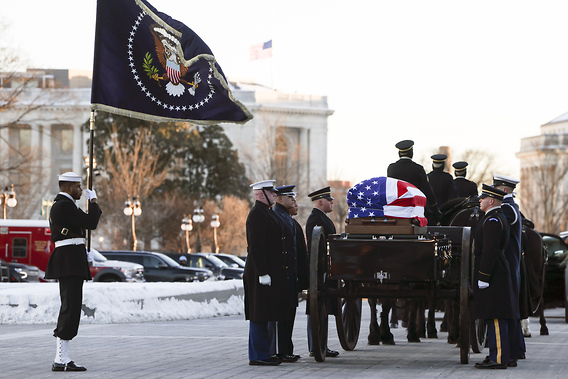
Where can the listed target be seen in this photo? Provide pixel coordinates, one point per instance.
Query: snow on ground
(104, 303)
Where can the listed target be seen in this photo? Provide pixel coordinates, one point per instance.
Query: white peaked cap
(502, 180)
(69, 177)
(266, 184)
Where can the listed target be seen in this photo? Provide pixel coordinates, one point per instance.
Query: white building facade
(544, 176)
(54, 133)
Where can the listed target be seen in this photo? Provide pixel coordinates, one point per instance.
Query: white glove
(90, 257)
(265, 280)
(91, 194)
(481, 284)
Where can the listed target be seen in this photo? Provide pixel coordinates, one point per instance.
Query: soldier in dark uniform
(409, 171)
(493, 292)
(323, 204)
(285, 201)
(464, 187)
(68, 262)
(441, 182)
(513, 255)
(264, 278)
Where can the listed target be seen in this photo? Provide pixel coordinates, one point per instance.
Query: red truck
(29, 242)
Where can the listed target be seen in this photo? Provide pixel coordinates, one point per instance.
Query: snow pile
(104, 303)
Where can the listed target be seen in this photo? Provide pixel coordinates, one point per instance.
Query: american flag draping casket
(386, 197)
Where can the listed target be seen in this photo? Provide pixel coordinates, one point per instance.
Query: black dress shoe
(71, 366)
(287, 358)
(490, 365)
(265, 362)
(512, 363)
(331, 353)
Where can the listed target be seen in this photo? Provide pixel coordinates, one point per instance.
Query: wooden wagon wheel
(465, 283)
(318, 310)
(348, 320)
(566, 294)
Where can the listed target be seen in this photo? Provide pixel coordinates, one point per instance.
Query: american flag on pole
(150, 66)
(261, 51)
(386, 197)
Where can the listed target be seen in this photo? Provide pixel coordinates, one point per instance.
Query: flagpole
(90, 170)
(272, 57)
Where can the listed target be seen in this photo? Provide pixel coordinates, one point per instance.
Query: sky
(470, 75)
(38, 303)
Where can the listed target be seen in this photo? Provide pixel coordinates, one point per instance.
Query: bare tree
(544, 191)
(130, 170)
(278, 155)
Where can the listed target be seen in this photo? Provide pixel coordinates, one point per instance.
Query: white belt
(70, 241)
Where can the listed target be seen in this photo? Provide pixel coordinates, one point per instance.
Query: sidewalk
(217, 348)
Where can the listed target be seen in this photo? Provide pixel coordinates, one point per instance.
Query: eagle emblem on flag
(168, 48)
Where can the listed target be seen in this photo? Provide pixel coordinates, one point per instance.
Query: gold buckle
(64, 231)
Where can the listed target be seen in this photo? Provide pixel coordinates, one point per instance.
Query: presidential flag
(149, 66)
(386, 197)
(261, 51)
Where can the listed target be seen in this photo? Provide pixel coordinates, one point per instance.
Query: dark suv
(18, 272)
(159, 267)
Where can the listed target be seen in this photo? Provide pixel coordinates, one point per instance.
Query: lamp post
(187, 227)
(215, 223)
(133, 208)
(198, 218)
(8, 197)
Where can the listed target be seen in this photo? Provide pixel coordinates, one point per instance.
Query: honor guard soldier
(323, 204)
(285, 200)
(464, 187)
(409, 171)
(442, 183)
(263, 276)
(68, 262)
(513, 254)
(493, 290)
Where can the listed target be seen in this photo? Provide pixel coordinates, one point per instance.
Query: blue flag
(152, 67)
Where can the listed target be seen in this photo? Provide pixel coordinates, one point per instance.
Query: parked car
(19, 272)
(4, 272)
(219, 268)
(159, 267)
(555, 282)
(231, 260)
(106, 270)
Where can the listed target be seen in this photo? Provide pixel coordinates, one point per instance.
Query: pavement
(217, 348)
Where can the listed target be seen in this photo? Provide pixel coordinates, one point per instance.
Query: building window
(63, 140)
(20, 247)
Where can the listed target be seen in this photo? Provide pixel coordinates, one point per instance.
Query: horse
(463, 211)
(533, 269)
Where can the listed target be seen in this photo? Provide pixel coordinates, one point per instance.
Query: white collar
(69, 196)
(406, 158)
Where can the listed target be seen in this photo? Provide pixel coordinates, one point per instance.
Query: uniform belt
(70, 241)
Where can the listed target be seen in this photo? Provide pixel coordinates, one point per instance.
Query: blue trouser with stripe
(259, 341)
(516, 339)
(498, 339)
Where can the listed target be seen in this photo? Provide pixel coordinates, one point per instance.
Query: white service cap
(69, 177)
(501, 180)
(266, 184)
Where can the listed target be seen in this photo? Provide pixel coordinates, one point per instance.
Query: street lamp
(133, 208)
(215, 223)
(8, 197)
(198, 218)
(187, 227)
